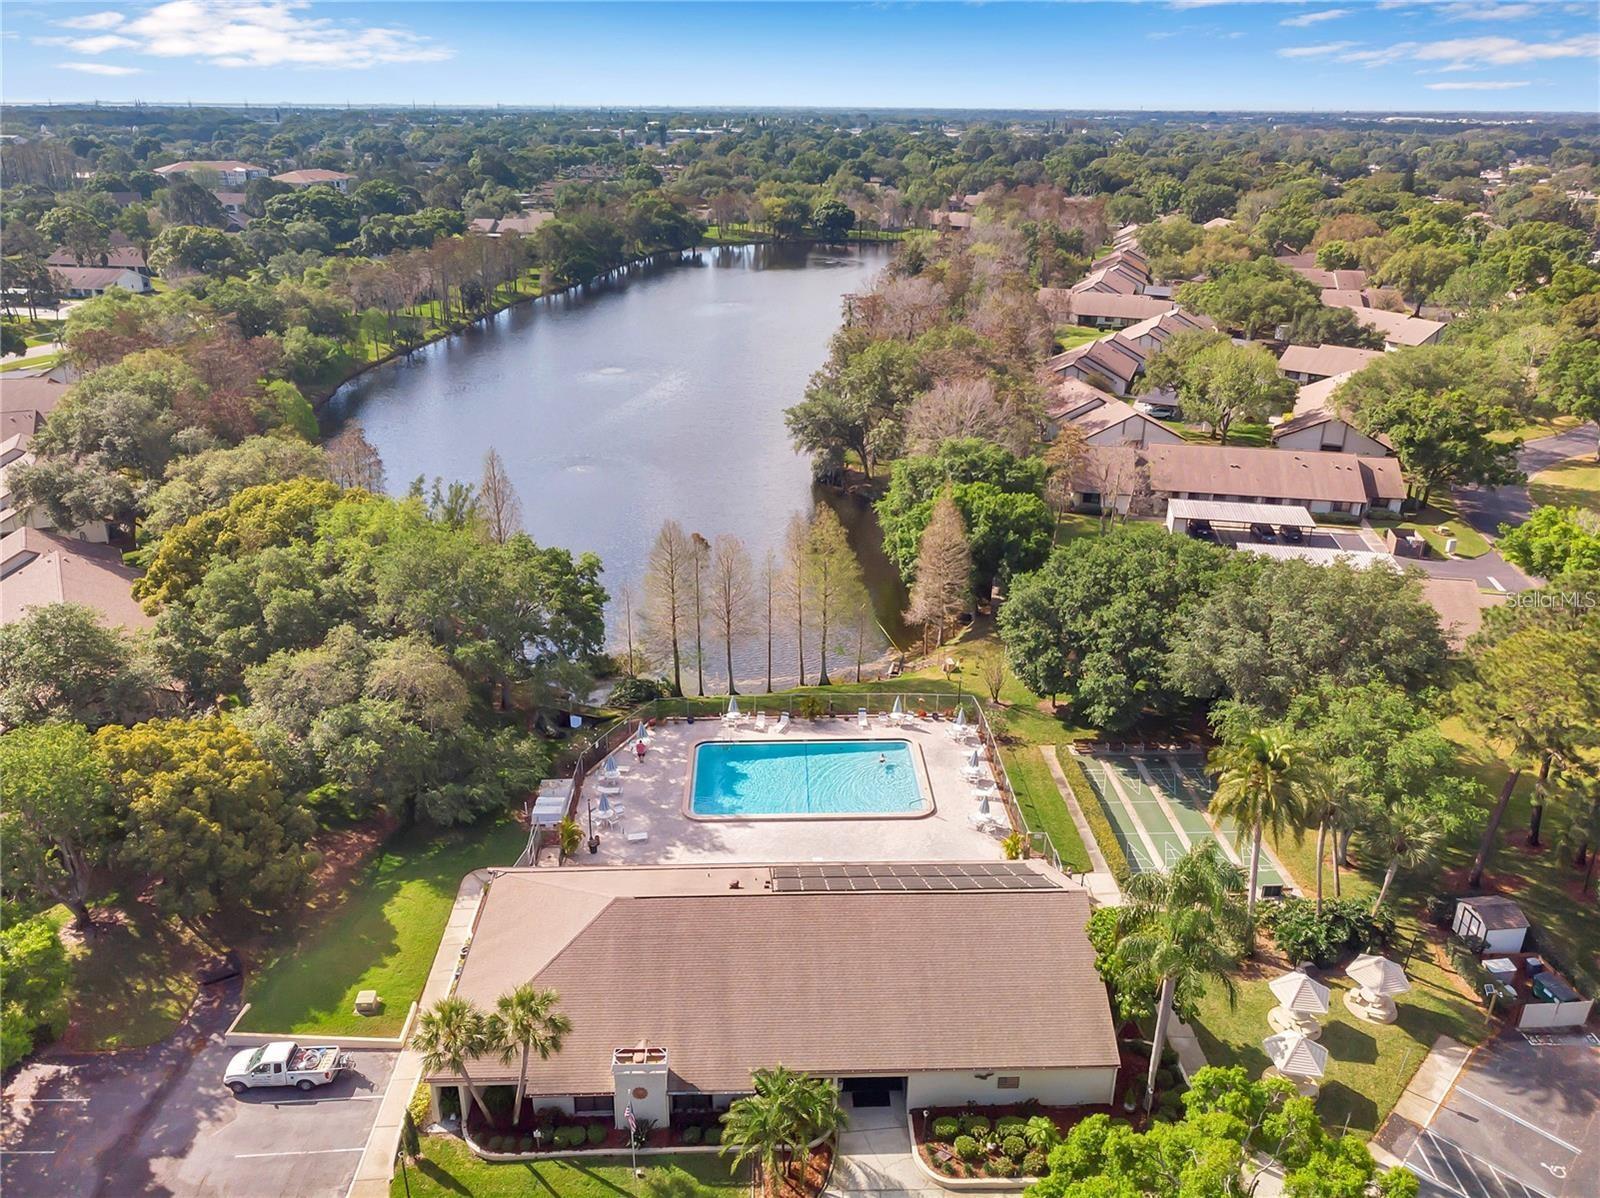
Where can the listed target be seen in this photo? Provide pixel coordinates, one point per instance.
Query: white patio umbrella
(972, 759)
(610, 769)
(1297, 1057)
(983, 805)
(899, 708)
(733, 705)
(961, 717)
(1376, 978)
(1300, 1000)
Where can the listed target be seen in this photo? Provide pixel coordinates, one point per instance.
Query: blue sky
(1392, 55)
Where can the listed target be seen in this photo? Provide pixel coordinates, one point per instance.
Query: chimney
(639, 1080)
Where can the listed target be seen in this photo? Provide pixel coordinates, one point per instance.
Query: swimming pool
(741, 779)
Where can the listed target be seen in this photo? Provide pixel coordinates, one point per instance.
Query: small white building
(1492, 919)
(85, 282)
(316, 177)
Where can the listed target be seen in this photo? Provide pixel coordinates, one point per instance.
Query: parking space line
(320, 1101)
(1445, 1157)
(1572, 1148)
(27, 1151)
(1420, 1165)
(250, 1156)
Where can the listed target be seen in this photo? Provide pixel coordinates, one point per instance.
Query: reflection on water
(656, 395)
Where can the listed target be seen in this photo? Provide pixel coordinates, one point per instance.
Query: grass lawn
(1043, 806)
(1072, 525)
(383, 937)
(41, 362)
(1536, 429)
(1369, 1064)
(1070, 336)
(1574, 483)
(131, 982)
(448, 1167)
(1247, 436)
(1442, 514)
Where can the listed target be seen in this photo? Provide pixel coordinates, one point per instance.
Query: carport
(1233, 514)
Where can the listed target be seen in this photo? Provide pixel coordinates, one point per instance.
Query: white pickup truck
(284, 1063)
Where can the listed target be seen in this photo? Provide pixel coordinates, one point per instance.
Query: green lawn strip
(1441, 513)
(1536, 429)
(1072, 525)
(1070, 336)
(1248, 436)
(382, 937)
(1089, 803)
(448, 1167)
(1043, 807)
(1573, 483)
(131, 982)
(1369, 1064)
(42, 362)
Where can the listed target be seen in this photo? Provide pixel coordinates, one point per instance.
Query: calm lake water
(657, 396)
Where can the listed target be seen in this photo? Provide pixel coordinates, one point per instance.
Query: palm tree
(452, 1032)
(1179, 930)
(1412, 828)
(532, 1025)
(1326, 799)
(569, 835)
(785, 1114)
(1256, 774)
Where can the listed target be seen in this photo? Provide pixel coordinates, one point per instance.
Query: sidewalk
(377, 1161)
(1419, 1103)
(1101, 883)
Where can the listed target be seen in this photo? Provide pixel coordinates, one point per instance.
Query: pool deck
(653, 792)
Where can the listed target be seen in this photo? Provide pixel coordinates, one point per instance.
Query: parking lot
(1521, 1121)
(160, 1122)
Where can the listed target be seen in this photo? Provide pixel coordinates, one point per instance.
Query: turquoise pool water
(805, 777)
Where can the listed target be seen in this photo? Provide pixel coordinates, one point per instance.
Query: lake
(617, 406)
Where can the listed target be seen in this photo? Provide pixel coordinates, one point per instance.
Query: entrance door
(872, 1091)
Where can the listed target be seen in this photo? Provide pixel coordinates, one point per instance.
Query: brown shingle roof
(25, 402)
(211, 164)
(124, 255)
(832, 983)
(1325, 360)
(1113, 306)
(1284, 474)
(65, 570)
(312, 175)
(1397, 327)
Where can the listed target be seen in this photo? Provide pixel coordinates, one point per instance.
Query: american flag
(627, 1113)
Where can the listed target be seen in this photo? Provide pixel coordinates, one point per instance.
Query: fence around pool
(922, 705)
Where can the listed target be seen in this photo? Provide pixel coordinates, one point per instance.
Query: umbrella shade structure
(1376, 979)
(961, 717)
(733, 705)
(899, 707)
(1296, 1057)
(972, 759)
(1300, 1000)
(610, 768)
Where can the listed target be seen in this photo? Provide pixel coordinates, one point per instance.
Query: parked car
(284, 1063)
(1291, 533)
(1200, 530)
(1263, 532)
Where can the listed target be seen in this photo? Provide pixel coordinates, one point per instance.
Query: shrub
(1345, 924)
(564, 1137)
(418, 1107)
(630, 692)
(596, 1133)
(712, 1135)
(967, 1148)
(946, 1127)
(947, 1167)
(1170, 1106)
(1042, 1133)
(499, 1100)
(1165, 1079)
(690, 1134)
(495, 1144)
(1035, 1164)
(1015, 1147)
(975, 1125)
(1009, 1125)
(525, 1144)
(1004, 1167)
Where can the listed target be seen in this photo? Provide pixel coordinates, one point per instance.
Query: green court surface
(1152, 832)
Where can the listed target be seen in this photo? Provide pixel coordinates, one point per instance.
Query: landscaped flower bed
(993, 1141)
(550, 1130)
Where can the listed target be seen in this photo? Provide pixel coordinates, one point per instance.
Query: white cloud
(1507, 51)
(93, 20)
(1487, 10)
(1315, 51)
(1314, 18)
(1477, 85)
(254, 33)
(98, 44)
(99, 68)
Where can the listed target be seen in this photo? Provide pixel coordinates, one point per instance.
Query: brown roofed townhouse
(681, 981)
(1309, 363)
(233, 173)
(316, 177)
(1125, 477)
(85, 282)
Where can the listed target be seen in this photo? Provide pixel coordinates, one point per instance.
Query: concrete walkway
(874, 1157)
(1420, 1101)
(377, 1161)
(1101, 883)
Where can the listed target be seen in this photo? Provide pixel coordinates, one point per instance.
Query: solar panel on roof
(836, 877)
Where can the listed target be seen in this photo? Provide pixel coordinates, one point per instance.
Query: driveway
(158, 1121)
(874, 1158)
(1487, 508)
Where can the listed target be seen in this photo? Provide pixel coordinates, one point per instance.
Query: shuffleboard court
(1189, 790)
(1147, 837)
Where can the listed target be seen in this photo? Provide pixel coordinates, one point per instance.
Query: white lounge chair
(783, 723)
(635, 835)
(973, 773)
(761, 721)
(607, 817)
(983, 821)
(861, 718)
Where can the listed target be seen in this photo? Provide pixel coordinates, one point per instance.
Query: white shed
(1493, 919)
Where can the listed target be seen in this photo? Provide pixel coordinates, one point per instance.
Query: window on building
(592, 1104)
(1005, 1082)
(691, 1102)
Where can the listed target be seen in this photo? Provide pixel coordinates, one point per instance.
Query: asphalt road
(1487, 508)
(158, 1121)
